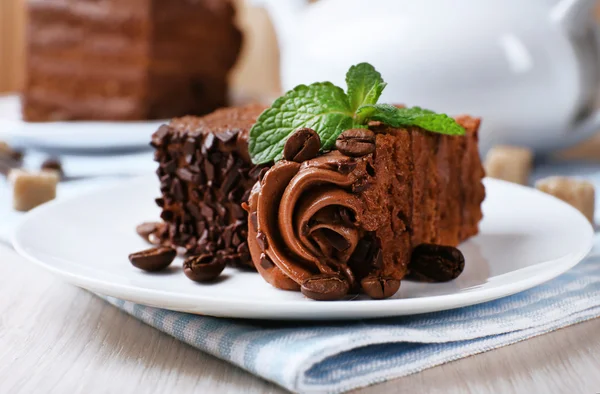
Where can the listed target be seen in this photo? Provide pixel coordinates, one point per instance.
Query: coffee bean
(203, 268)
(145, 229)
(378, 287)
(154, 259)
(356, 142)
(52, 164)
(436, 263)
(324, 287)
(304, 144)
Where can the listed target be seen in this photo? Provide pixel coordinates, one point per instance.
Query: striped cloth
(333, 357)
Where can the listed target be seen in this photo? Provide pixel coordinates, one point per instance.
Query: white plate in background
(75, 135)
(526, 239)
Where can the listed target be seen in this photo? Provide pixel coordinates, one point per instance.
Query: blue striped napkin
(333, 357)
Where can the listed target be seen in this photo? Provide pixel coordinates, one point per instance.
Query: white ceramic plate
(527, 238)
(71, 135)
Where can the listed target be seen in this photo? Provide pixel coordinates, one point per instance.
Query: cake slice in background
(127, 60)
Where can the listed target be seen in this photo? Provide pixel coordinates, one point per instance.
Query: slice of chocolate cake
(361, 216)
(205, 174)
(127, 59)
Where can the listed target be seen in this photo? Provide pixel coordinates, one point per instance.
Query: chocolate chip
(154, 259)
(235, 240)
(325, 287)
(200, 227)
(189, 146)
(356, 142)
(193, 209)
(378, 287)
(160, 202)
(208, 143)
(226, 135)
(209, 170)
(185, 175)
(215, 157)
(203, 268)
(226, 236)
(177, 190)
(166, 215)
(206, 211)
(230, 179)
(159, 136)
(258, 172)
(198, 179)
(169, 167)
(230, 162)
(304, 144)
(261, 240)
(242, 248)
(221, 211)
(436, 263)
(266, 262)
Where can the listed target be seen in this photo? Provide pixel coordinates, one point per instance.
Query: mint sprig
(329, 111)
(365, 85)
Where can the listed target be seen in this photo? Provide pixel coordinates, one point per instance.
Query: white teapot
(530, 69)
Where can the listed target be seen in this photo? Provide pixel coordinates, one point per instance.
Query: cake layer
(163, 59)
(205, 174)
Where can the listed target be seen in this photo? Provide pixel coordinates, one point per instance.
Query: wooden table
(56, 338)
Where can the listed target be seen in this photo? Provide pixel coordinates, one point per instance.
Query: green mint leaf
(406, 117)
(322, 107)
(364, 85)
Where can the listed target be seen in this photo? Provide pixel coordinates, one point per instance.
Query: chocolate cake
(359, 217)
(127, 60)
